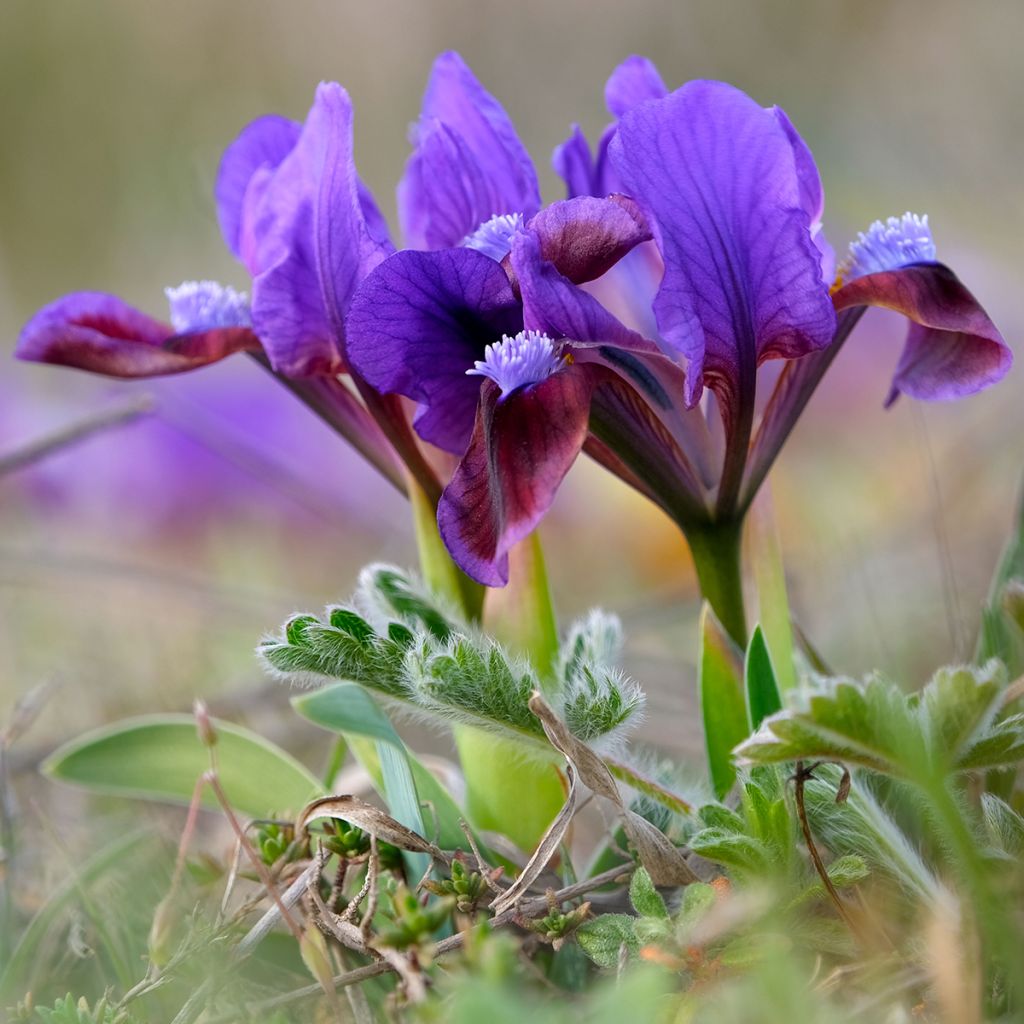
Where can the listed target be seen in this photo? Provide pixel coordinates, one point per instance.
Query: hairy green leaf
(646, 899)
(950, 726)
(603, 938)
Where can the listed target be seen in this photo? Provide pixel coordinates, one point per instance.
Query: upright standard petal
(261, 144)
(522, 446)
(716, 175)
(633, 82)
(102, 334)
(952, 350)
(313, 244)
(468, 164)
(419, 322)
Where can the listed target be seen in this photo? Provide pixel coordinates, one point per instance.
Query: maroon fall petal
(523, 444)
(100, 333)
(585, 237)
(952, 350)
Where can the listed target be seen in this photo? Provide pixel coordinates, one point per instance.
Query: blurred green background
(115, 113)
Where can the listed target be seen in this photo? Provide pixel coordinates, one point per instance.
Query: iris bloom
(517, 367)
(294, 212)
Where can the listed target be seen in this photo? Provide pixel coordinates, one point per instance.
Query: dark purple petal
(522, 447)
(715, 174)
(574, 163)
(585, 237)
(633, 82)
(489, 171)
(953, 349)
(558, 308)
(262, 143)
(554, 306)
(102, 334)
(419, 322)
(312, 244)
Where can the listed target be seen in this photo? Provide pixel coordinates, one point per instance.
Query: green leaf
(948, 727)
(1001, 634)
(736, 850)
(762, 689)
(770, 580)
(160, 757)
(602, 938)
(722, 702)
(869, 725)
(348, 709)
(646, 900)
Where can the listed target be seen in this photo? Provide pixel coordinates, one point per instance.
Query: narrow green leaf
(348, 709)
(762, 689)
(159, 757)
(722, 702)
(770, 580)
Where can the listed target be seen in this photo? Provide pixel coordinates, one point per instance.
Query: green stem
(716, 555)
(440, 573)
(505, 790)
(521, 616)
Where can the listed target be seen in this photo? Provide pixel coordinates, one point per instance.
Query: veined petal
(633, 82)
(420, 321)
(262, 143)
(102, 334)
(313, 244)
(497, 175)
(585, 237)
(952, 350)
(556, 307)
(716, 175)
(553, 305)
(522, 446)
(444, 194)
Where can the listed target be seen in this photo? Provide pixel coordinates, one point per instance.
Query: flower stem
(716, 555)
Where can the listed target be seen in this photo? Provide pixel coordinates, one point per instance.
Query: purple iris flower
(293, 210)
(517, 367)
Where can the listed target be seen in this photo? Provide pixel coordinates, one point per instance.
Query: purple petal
(952, 350)
(633, 82)
(574, 163)
(812, 193)
(522, 447)
(716, 175)
(262, 143)
(419, 322)
(102, 334)
(444, 194)
(489, 167)
(585, 237)
(313, 244)
(554, 306)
